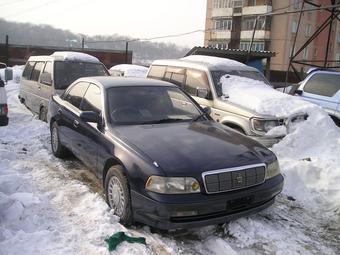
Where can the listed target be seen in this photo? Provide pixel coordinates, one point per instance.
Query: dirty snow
(261, 98)
(212, 60)
(131, 70)
(51, 206)
(74, 56)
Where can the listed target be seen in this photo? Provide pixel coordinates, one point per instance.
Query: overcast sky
(135, 18)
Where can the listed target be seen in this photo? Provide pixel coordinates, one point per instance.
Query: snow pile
(74, 56)
(131, 70)
(310, 160)
(261, 98)
(213, 60)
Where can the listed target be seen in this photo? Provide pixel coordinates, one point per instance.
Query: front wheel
(57, 148)
(117, 194)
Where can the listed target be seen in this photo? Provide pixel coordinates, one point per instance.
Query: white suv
(323, 88)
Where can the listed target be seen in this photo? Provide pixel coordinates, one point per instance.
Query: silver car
(200, 77)
(323, 88)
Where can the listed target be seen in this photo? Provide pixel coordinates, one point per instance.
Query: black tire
(58, 149)
(43, 114)
(115, 176)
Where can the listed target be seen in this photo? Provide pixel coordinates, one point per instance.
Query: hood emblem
(239, 179)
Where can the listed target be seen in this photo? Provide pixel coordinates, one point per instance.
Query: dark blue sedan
(163, 161)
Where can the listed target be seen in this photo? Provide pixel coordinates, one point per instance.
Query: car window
(46, 77)
(175, 75)
(196, 79)
(76, 94)
(324, 84)
(157, 72)
(28, 70)
(67, 72)
(37, 70)
(92, 100)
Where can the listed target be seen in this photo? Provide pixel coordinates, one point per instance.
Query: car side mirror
(46, 79)
(202, 92)
(89, 116)
(298, 92)
(207, 110)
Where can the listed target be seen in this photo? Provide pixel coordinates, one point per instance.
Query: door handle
(60, 111)
(75, 123)
(217, 114)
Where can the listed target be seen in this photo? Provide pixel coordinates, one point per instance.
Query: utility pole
(126, 52)
(83, 43)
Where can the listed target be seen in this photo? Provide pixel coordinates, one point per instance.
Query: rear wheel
(57, 148)
(43, 114)
(117, 194)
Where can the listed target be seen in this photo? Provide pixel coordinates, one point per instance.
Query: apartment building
(230, 23)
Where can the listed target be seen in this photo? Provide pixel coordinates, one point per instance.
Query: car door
(321, 89)
(36, 98)
(45, 83)
(69, 117)
(89, 132)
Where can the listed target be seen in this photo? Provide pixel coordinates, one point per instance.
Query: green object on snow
(114, 240)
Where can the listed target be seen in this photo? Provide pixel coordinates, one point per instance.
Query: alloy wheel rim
(55, 139)
(116, 196)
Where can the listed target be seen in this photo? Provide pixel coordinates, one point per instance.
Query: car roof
(114, 81)
(211, 63)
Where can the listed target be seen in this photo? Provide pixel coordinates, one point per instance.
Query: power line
(30, 9)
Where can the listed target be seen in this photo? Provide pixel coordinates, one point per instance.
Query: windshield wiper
(167, 120)
(198, 117)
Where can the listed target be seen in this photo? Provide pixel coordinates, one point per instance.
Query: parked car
(128, 70)
(3, 101)
(162, 159)
(323, 88)
(200, 77)
(44, 76)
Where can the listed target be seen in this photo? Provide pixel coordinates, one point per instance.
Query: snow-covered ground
(50, 206)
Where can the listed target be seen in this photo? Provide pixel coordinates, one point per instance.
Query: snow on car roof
(74, 56)
(213, 60)
(131, 70)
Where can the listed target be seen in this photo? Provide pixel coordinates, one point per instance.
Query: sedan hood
(182, 148)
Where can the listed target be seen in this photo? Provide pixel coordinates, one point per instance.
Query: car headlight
(263, 125)
(273, 169)
(172, 185)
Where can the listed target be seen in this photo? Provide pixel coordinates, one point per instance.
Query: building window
(237, 3)
(251, 2)
(296, 4)
(257, 46)
(248, 24)
(223, 24)
(222, 4)
(305, 54)
(308, 30)
(294, 26)
(337, 57)
(338, 37)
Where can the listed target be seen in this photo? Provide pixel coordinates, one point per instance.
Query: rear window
(67, 72)
(157, 72)
(324, 84)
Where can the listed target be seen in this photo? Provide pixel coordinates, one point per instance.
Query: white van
(44, 76)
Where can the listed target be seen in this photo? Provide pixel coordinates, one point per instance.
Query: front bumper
(3, 120)
(204, 209)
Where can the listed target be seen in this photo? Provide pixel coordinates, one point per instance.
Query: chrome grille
(234, 178)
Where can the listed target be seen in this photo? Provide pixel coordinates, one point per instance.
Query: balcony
(222, 12)
(259, 9)
(259, 34)
(220, 34)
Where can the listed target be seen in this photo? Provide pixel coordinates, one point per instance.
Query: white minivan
(44, 76)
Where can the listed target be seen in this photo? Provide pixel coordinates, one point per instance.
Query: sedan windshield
(217, 75)
(67, 72)
(150, 105)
